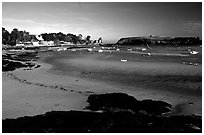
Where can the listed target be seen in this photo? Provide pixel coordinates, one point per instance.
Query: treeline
(160, 41)
(57, 37)
(17, 36)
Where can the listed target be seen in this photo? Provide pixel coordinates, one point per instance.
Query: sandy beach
(65, 80)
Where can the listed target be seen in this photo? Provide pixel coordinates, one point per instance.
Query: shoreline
(184, 101)
(84, 88)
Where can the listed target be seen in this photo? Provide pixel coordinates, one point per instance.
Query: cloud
(32, 26)
(38, 27)
(33, 22)
(17, 21)
(75, 27)
(193, 27)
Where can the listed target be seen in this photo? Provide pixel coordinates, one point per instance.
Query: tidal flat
(65, 79)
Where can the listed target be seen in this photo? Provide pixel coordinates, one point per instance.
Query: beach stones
(111, 102)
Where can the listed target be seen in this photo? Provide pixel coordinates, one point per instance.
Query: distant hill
(157, 40)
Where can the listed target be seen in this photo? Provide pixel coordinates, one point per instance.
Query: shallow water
(82, 73)
(138, 71)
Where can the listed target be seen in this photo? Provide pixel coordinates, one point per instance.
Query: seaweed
(115, 118)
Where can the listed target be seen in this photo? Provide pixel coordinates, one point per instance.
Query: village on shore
(18, 42)
(21, 39)
(20, 51)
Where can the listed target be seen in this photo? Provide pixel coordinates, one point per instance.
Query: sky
(111, 21)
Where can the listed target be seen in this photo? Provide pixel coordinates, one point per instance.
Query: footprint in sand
(63, 89)
(41, 84)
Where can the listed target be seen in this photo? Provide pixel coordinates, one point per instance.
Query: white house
(48, 43)
(39, 42)
(39, 38)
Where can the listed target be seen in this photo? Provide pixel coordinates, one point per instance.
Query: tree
(68, 38)
(14, 36)
(17, 36)
(72, 38)
(26, 36)
(5, 36)
(79, 39)
(60, 36)
(88, 40)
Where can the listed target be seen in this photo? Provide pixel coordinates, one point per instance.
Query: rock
(155, 107)
(121, 101)
(121, 121)
(109, 101)
(10, 62)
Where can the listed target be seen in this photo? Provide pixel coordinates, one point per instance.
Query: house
(39, 41)
(48, 43)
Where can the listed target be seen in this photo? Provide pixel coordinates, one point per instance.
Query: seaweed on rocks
(11, 62)
(109, 101)
(121, 121)
(12, 65)
(155, 107)
(121, 101)
(23, 56)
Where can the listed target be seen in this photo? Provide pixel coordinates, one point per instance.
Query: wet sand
(66, 79)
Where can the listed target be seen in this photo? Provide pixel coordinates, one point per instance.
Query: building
(39, 41)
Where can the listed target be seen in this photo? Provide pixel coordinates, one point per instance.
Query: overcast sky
(108, 20)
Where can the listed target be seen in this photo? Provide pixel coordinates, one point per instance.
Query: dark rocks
(120, 101)
(155, 107)
(22, 56)
(8, 65)
(56, 121)
(109, 101)
(120, 121)
(85, 122)
(10, 62)
(37, 66)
